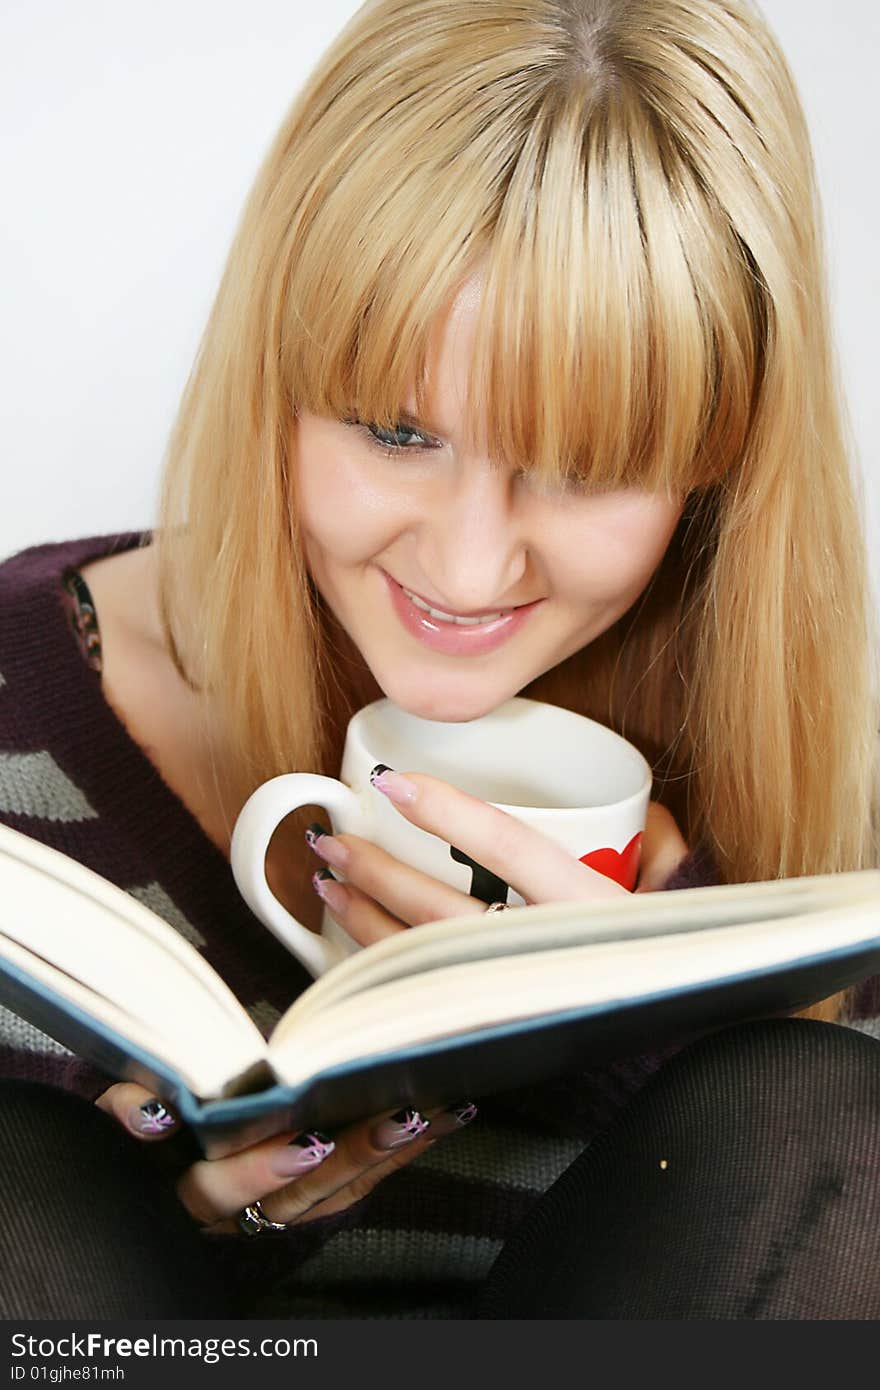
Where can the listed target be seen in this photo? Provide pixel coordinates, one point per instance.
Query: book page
(479, 994)
(552, 926)
(165, 1033)
(89, 939)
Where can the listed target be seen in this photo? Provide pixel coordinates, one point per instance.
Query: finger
(443, 1122)
(411, 896)
(212, 1189)
(364, 920)
(663, 848)
(309, 1167)
(539, 869)
(139, 1111)
(383, 1143)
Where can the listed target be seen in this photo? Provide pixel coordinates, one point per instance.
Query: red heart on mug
(623, 867)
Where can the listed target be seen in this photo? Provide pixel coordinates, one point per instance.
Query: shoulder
(35, 628)
(124, 586)
(33, 578)
(50, 699)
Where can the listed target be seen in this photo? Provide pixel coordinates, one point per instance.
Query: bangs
(622, 324)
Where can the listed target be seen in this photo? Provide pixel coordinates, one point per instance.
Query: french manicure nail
(398, 789)
(327, 846)
(314, 832)
(302, 1154)
(330, 891)
(151, 1118)
(399, 1129)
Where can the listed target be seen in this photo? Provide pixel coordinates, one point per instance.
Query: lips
(442, 615)
(456, 638)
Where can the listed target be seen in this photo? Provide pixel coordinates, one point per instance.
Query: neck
(354, 684)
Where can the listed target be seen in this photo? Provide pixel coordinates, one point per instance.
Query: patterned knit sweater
(72, 777)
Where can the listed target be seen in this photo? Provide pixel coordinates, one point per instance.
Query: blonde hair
(635, 179)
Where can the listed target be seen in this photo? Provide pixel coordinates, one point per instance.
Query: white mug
(577, 782)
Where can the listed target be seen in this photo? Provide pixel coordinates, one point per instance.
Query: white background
(129, 135)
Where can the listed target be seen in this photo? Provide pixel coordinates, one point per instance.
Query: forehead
(449, 365)
(529, 372)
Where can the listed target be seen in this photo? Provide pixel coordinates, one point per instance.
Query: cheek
(616, 550)
(330, 532)
(343, 517)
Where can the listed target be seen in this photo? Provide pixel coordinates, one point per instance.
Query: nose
(473, 548)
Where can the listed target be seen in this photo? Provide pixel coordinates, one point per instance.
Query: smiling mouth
(454, 618)
(456, 634)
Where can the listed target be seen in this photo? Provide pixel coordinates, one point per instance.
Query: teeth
(450, 617)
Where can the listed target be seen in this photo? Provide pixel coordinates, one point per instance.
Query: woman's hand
(381, 895)
(299, 1177)
(663, 848)
(296, 1177)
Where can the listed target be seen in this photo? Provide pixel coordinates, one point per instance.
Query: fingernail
(151, 1118)
(462, 1113)
(325, 845)
(398, 789)
(399, 1129)
(302, 1154)
(331, 891)
(454, 1117)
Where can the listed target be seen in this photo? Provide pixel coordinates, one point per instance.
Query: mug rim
(539, 812)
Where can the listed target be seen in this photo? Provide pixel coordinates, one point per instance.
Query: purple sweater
(72, 777)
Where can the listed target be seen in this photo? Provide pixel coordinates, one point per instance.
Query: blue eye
(399, 438)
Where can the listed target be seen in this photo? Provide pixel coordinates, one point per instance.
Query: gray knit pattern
(32, 784)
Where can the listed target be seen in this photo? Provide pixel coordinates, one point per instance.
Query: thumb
(663, 848)
(138, 1110)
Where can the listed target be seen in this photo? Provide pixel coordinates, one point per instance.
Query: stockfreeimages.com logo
(93, 1346)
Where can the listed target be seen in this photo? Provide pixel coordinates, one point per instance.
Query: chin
(449, 702)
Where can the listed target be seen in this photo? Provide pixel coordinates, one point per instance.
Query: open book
(456, 1008)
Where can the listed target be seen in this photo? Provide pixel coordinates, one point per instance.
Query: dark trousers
(743, 1182)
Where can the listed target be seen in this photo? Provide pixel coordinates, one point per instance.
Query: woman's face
(434, 519)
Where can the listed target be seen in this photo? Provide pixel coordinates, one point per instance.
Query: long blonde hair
(635, 178)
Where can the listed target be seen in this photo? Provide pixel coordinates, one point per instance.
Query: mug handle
(260, 816)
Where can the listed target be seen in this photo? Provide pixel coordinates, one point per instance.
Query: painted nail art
(452, 1119)
(302, 1154)
(330, 891)
(399, 1129)
(151, 1118)
(327, 846)
(462, 1113)
(398, 789)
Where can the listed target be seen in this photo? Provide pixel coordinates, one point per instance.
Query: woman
(526, 307)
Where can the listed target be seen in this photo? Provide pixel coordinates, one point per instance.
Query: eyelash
(390, 450)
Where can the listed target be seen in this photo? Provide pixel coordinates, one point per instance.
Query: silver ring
(498, 907)
(253, 1220)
